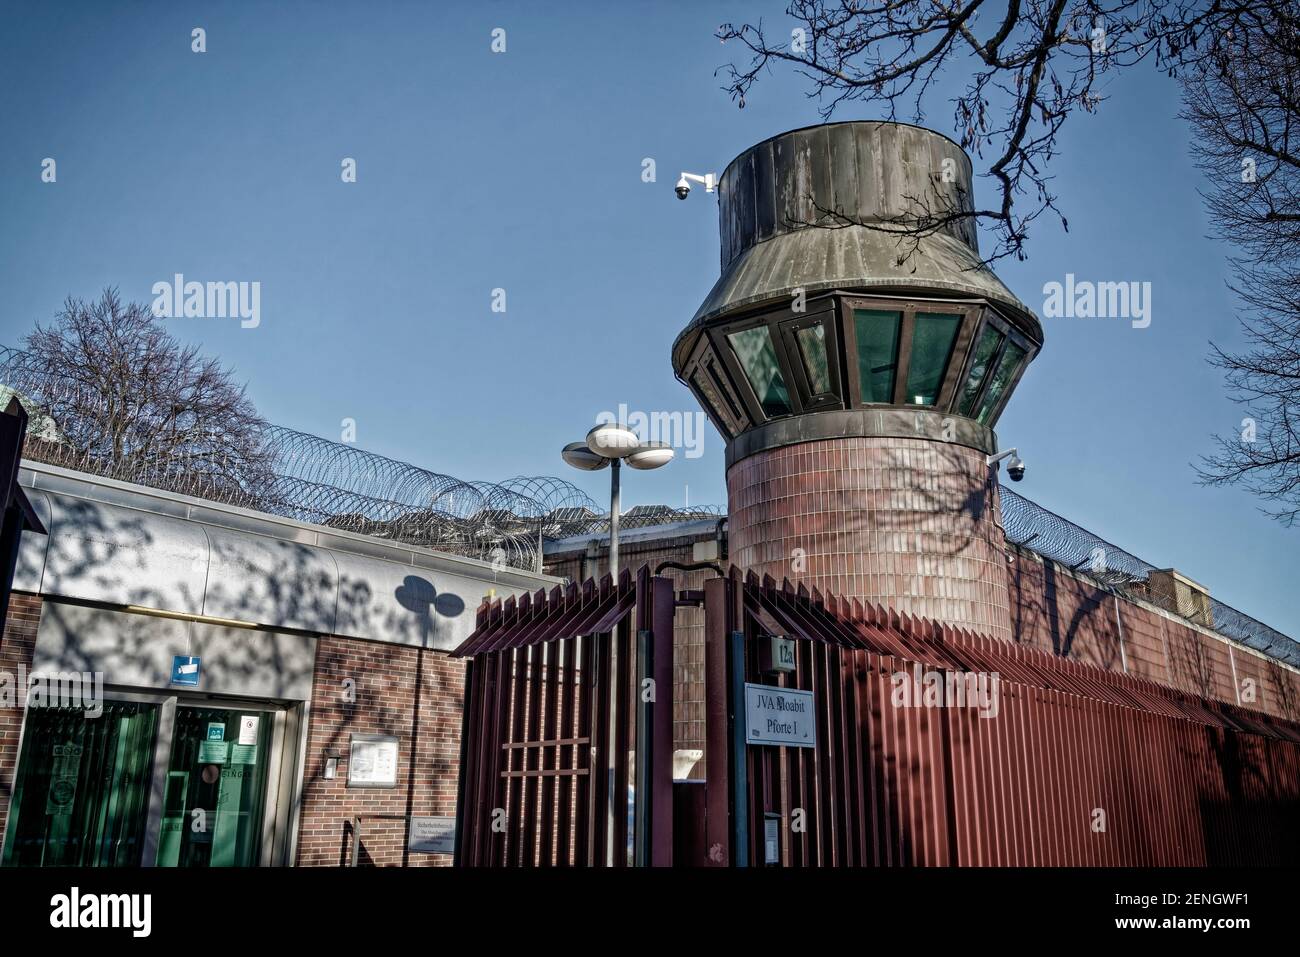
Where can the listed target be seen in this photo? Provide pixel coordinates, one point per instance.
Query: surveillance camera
(683, 188)
(1016, 469)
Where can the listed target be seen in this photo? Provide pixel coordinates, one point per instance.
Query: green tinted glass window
(812, 349)
(757, 357)
(1002, 377)
(877, 334)
(987, 348)
(933, 335)
(216, 774)
(82, 792)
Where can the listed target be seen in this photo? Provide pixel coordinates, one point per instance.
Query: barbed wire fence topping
(1031, 526)
(312, 479)
(337, 485)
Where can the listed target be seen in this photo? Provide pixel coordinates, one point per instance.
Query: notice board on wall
(372, 762)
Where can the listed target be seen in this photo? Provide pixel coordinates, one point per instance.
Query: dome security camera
(683, 187)
(1015, 464)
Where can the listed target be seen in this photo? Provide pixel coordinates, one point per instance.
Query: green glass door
(82, 790)
(215, 788)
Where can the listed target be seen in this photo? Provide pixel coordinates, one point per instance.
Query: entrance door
(215, 789)
(87, 786)
(82, 790)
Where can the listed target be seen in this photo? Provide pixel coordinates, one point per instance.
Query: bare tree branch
(1043, 61)
(1243, 102)
(118, 396)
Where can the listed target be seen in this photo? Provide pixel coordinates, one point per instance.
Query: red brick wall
(1197, 663)
(1057, 610)
(1266, 685)
(16, 644)
(1282, 689)
(411, 693)
(905, 523)
(1144, 642)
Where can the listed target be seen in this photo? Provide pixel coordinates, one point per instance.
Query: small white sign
(776, 653)
(373, 761)
(248, 728)
(780, 716)
(432, 835)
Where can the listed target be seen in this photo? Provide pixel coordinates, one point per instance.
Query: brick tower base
(911, 524)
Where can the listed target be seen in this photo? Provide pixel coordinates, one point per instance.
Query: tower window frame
(1011, 337)
(788, 359)
(715, 391)
(746, 371)
(811, 398)
(966, 310)
(716, 371)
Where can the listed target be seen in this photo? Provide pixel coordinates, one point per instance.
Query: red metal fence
(1062, 764)
(554, 723)
(933, 746)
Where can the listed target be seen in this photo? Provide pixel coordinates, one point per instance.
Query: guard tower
(857, 375)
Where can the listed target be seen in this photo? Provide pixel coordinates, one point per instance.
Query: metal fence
(1031, 526)
(1002, 754)
(557, 732)
(999, 755)
(311, 479)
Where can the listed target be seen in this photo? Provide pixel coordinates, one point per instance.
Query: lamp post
(609, 445)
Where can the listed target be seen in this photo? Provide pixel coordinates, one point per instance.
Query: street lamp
(610, 445)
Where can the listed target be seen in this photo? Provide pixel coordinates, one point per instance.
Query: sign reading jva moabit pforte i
(779, 716)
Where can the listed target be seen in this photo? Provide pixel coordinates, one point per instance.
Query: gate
(567, 720)
(932, 746)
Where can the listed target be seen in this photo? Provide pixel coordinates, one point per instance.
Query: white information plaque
(432, 835)
(373, 761)
(780, 716)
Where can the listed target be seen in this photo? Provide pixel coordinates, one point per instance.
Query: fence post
(663, 611)
(717, 724)
(645, 745)
(737, 752)
(467, 701)
(653, 834)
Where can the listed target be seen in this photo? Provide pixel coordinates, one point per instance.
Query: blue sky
(522, 171)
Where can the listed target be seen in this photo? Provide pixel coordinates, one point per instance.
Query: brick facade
(16, 645)
(412, 693)
(1063, 612)
(387, 701)
(911, 524)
